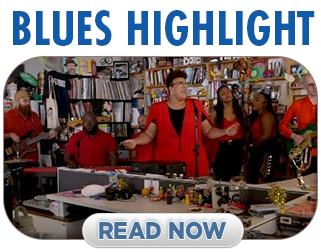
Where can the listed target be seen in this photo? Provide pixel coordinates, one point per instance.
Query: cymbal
(17, 161)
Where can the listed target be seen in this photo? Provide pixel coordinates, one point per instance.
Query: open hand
(129, 144)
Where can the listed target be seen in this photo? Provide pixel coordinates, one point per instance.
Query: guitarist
(305, 110)
(21, 120)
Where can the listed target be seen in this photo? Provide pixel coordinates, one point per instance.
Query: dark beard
(25, 110)
(93, 131)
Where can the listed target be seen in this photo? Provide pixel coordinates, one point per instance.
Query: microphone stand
(196, 149)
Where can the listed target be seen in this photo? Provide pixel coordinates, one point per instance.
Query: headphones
(113, 194)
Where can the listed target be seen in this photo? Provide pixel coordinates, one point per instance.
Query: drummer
(20, 121)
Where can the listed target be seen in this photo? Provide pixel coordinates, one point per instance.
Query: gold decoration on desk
(121, 184)
(277, 195)
(296, 156)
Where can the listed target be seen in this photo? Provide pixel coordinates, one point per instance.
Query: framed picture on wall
(121, 70)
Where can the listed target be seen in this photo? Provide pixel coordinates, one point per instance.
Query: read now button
(163, 230)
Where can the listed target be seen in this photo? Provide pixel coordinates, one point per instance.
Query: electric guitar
(12, 149)
(265, 168)
(309, 134)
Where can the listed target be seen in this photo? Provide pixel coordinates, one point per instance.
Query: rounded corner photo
(86, 135)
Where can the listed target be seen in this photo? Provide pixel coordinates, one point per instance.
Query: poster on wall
(70, 66)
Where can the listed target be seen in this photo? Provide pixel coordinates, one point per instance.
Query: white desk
(145, 205)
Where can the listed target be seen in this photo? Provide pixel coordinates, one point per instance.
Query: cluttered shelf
(267, 79)
(90, 100)
(164, 86)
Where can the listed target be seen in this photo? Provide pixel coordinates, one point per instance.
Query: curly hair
(173, 75)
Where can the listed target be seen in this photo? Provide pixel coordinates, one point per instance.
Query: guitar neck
(38, 138)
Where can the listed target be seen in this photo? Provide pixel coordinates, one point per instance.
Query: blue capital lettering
(179, 231)
(149, 225)
(239, 27)
(169, 28)
(197, 226)
(305, 15)
(39, 30)
(214, 228)
(132, 27)
(279, 27)
(17, 27)
(82, 28)
(101, 26)
(105, 228)
(157, 27)
(117, 226)
(136, 231)
(69, 28)
(208, 27)
(264, 29)
(222, 30)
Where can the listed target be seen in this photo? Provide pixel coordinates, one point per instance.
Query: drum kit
(13, 172)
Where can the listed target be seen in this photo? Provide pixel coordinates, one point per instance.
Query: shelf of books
(110, 100)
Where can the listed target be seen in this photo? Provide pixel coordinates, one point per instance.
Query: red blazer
(144, 153)
(169, 147)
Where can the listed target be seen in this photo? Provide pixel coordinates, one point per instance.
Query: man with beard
(20, 121)
(142, 153)
(91, 147)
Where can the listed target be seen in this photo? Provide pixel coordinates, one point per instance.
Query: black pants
(228, 162)
(269, 149)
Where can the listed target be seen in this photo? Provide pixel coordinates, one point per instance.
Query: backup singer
(229, 158)
(263, 140)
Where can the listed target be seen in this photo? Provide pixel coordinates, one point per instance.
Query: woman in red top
(174, 126)
(263, 146)
(229, 158)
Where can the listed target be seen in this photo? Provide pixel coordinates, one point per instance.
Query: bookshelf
(110, 100)
(155, 76)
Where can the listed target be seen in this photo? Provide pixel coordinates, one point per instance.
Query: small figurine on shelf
(159, 95)
(164, 95)
(154, 97)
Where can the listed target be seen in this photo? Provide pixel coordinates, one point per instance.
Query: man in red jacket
(91, 147)
(20, 121)
(305, 112)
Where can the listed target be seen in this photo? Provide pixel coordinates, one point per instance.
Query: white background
(12, 56)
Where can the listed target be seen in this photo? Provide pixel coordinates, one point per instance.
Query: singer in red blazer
(171, 125)
(169, 147)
